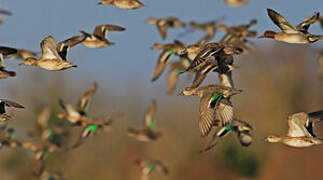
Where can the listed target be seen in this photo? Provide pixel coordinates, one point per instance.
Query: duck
(235, 3)
(50, 59)
(21, 54)
(168, 51)
(175, 69)
(163, 24)
(300, 130)
(7, 103)
(148, 166)
(41, 148)
(216, 108)
(289, 33)
(4, 51)
(6, 138)
(45, 131)
(217, 50)
(208, 27)
(241, 128)
(147, 133)
(123, 4)
(78, 115)
(94, 126)
(213, 66)
(99, 37)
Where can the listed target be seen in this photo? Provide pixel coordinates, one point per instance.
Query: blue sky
(131, 58)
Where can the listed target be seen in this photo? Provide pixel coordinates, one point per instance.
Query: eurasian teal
(175, 69)
(148, 166)
(300, 130)
(50, 59)
(7, 103)
(147, 133)
(215, 105)
(78, 115)
(235, 3)
(123, 4)
(6, 138)
(208, 27)
(217, 50)
(242, 128)
(292, 34)
(21, 54)
(41, 148)
(4, 51)
(169, 50)
(163, 24)
(99, 37)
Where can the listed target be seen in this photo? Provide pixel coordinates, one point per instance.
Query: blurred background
(278, 79)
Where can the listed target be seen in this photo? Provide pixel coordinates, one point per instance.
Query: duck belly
(94, 43)
(127, 4)
(298, 142)
(292, 38)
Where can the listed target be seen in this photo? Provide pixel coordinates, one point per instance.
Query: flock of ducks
(216, 109)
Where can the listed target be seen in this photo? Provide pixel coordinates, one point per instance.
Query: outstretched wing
(281, 22)
(101, 30)
(296, 125)
(64, 46)
(49, 48)
(84, 102)
(149, 116)
(305, 25)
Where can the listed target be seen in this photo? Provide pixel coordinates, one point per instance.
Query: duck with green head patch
(146, 133)
(169, 50)
(216, 108)
(173, 75)
(241, 128)
(149, 166)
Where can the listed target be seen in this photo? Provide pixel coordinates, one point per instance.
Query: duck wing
(281, 22)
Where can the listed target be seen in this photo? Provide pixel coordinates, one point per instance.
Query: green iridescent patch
(171, 52)
(228, 128)
(51, 132)
(150, 124)
(151, 168)
(215, 97)
(93, 127)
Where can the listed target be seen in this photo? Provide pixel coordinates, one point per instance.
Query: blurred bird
(123, 4)
(41, 148)
(235, 3)
(300, 130)
(6, 138)
(147, 133)
(236, 35)
(50, 59)
(175, 69)
(4, 51)
(163, 24)
(99, 37)
(5, 12)
(208, 27)
(7, 103)
(78, 115)
(292, 34)
(148, 166)
(215, 106)
(320, 64)
(169, 50)
(21, 54)
(97, 126)
(242, 129)
(47, 132)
